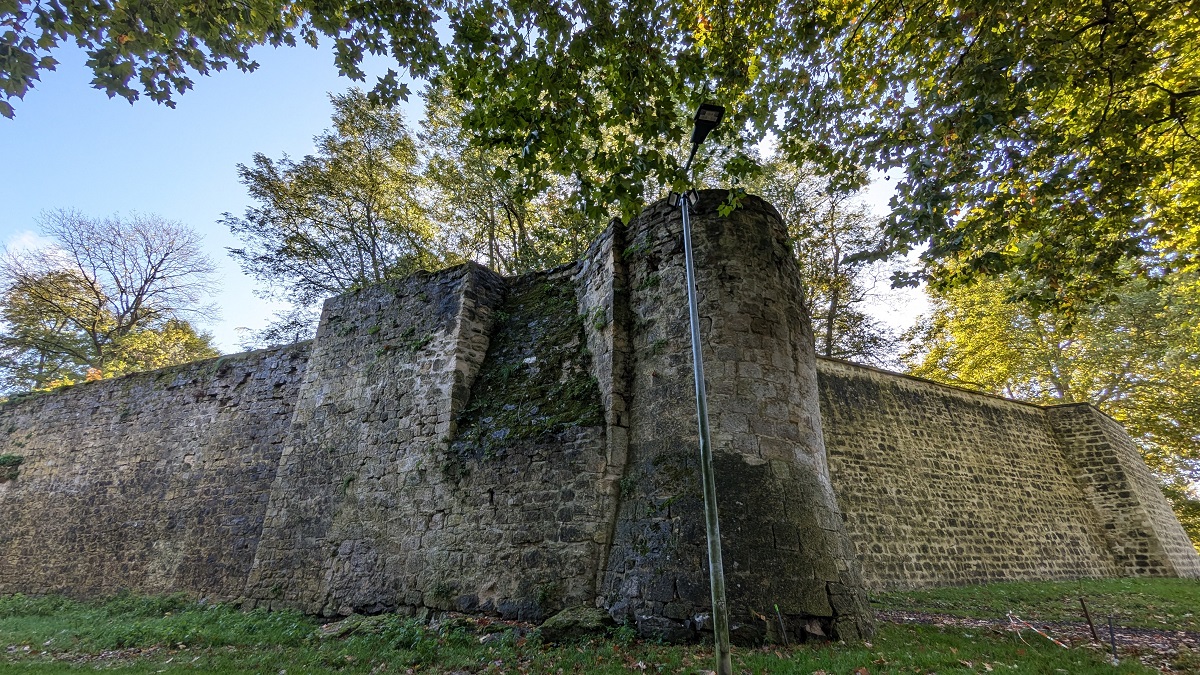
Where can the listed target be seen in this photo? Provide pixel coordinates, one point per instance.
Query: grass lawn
(1162, 604)
(173, 634)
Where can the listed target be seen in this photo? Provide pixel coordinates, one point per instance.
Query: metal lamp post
(707, 118)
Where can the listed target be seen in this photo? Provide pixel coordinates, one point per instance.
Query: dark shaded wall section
(787, 555)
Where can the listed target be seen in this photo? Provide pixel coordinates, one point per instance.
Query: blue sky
(70, 146)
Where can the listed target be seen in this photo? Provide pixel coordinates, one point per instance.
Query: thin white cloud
(26, 240)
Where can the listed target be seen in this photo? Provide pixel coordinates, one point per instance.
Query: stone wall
(388, 367)
(514, 446)
(447, 451)
(602, 288)
(945, 486)
(1137, 524)
(781, 528)
(156, 482)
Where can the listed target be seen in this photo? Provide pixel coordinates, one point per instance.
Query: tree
(830, 231)
(293, 324)
(1057, 138)
(164, 44)
(342, 218)
(166, 343)
(488, 213)
(1053, 139)
(1137, 359)
(108, 297)
(41, 342)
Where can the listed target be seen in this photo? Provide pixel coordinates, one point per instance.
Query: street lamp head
(708, 117)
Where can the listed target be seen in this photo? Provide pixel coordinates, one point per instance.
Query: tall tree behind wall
(1137, 358)
(346, 216)
(376, 203)
(107, 297)
(830, 228)
(488, 213)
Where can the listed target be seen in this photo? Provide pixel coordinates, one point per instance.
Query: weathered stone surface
(575, 623)
(460, 441)
(780, 524)
(945, 486)
(424, 471)
(1139, 528)
(156, 482)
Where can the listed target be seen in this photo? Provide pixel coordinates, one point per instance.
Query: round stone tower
(784, 543)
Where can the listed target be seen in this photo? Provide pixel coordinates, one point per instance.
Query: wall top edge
(1084, 404)
(215, 363)
(829, 363)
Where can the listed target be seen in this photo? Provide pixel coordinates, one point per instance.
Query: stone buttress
(1142, 533)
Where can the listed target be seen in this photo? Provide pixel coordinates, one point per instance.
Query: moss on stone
(536, 379)
(10, 466)
(576, 623)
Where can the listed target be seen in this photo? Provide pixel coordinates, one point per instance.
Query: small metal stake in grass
(1088, 615)
(1112, 636)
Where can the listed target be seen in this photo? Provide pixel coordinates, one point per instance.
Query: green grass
(172, 634)
(1164, 604)
(129, 621)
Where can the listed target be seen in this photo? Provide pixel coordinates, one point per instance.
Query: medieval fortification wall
(944, 486)
(464, 441)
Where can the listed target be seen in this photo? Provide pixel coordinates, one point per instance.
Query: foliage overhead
(1056, 138)
(346, 216)
(156, 48)
(509, 222)
(108, 297)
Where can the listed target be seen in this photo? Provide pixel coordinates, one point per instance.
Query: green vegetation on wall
(535, 380)
(9, 465)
